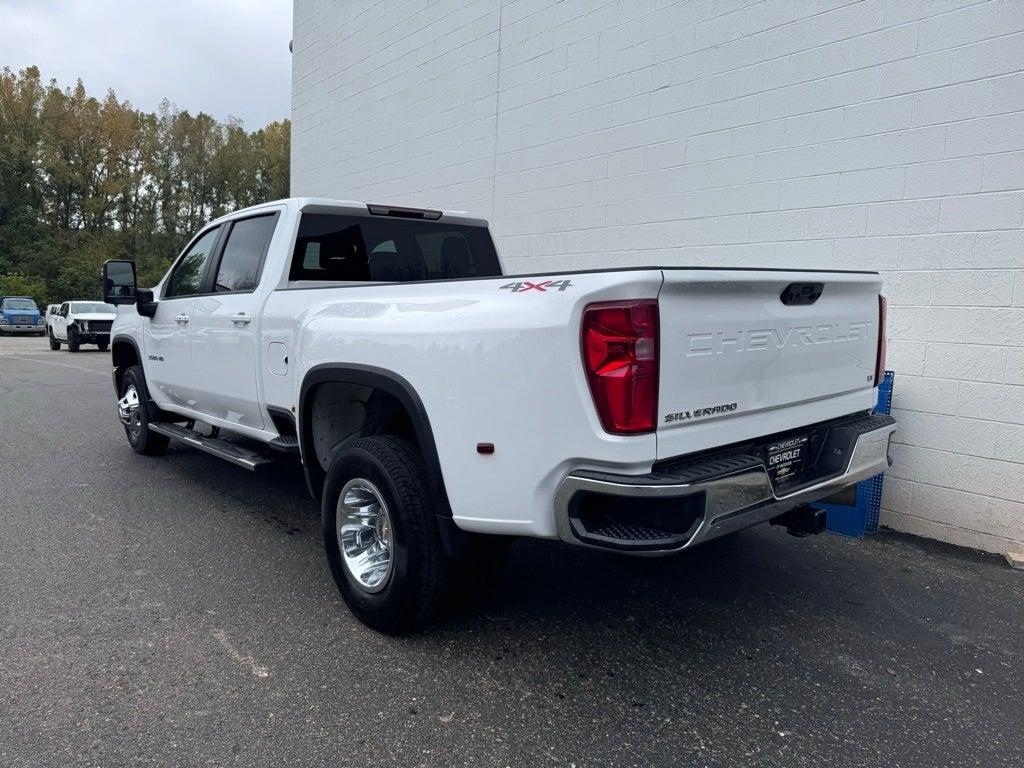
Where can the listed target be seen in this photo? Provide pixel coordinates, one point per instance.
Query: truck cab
(19, 314)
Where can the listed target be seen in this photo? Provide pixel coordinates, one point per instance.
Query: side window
(239, 268)
(64, 309)
(187, 278)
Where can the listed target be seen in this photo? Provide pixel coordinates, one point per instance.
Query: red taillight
(620, 354)
(880, 359)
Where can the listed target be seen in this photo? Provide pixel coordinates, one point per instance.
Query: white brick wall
(879, 134)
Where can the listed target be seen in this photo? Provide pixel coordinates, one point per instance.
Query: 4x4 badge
(521, 286)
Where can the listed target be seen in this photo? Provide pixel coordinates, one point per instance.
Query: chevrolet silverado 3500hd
(440, 408)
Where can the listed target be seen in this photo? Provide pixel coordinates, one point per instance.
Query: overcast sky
(223, 57)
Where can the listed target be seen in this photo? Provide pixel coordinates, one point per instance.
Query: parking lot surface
(178, 611)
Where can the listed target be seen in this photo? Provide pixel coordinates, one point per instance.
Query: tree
(21, 98)
(84, 179)
(272, 146)
(15, 284)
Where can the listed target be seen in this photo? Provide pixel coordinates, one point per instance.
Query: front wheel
(72, 339)
(134, 412)
(381, 539)
(103, 345)
(54, 344)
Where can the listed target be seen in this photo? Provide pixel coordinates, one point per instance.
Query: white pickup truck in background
(440, 408)
(80, 322)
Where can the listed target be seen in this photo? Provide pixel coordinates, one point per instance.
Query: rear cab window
(349, 248)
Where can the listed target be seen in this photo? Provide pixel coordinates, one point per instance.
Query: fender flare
(114, 341)
(394, 385)
(117, 373)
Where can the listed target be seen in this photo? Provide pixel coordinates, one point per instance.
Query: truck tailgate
(738, 361)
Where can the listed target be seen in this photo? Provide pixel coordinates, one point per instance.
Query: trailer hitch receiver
(802, 521)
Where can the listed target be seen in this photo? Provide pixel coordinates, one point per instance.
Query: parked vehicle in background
(440, 408)
(81, 322)
(51, 310)
(19, 314)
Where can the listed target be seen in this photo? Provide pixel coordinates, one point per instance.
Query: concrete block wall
(878, 134)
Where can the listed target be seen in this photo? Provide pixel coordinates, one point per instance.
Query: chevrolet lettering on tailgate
(757, 340)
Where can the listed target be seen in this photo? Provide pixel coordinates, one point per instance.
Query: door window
(239, 268)
(187, 278)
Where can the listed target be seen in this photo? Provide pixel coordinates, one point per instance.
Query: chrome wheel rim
(128, 411)
(365, 535)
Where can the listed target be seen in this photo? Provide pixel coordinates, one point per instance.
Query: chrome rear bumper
(718, 495)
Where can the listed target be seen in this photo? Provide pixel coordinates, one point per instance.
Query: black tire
(103, 345)
(72, 339)
(415, 587)
(54, 344)
(142, 439)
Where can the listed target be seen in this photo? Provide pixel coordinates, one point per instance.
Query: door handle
(241, 318)
(182, 319)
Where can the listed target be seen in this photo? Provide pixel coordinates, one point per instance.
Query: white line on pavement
(50, 362)
(257, 669)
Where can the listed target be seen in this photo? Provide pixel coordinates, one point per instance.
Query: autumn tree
(84, 179)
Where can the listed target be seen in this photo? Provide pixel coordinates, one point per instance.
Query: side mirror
(119, 282)
(145, 304)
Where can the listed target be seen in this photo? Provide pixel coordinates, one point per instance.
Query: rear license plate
(786, 458)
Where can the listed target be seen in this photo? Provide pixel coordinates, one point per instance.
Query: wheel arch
(124, 352)
(384, 381)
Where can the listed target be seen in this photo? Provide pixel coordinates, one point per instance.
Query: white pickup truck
(80, 322)
(440, 408)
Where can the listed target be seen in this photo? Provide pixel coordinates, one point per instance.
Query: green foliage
(22, 285)
(84, 179)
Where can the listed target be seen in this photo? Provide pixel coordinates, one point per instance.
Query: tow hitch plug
(802, 521)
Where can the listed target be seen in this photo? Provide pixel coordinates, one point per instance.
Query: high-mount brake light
(883, 307)
(620, 355)
(402, 213)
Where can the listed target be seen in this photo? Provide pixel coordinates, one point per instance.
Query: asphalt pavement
(177, 611)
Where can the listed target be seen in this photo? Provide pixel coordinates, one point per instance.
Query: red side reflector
(883, 308)
(620, 356)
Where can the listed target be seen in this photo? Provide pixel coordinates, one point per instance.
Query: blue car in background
(19, 314)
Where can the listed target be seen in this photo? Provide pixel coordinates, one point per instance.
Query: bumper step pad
(692, 499)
